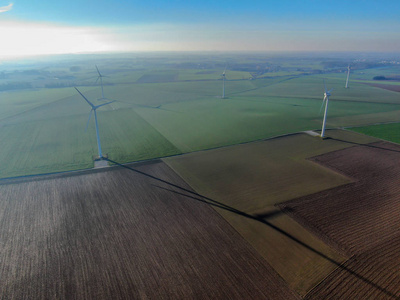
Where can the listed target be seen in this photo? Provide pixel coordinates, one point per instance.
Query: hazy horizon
(42, 28)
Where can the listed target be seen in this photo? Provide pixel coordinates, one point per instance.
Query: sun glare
(30, 39)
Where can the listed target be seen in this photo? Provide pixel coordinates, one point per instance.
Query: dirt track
(123, 235)
(360, 218)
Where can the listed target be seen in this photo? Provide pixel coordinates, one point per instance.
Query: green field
(389, 132)
(166, 106)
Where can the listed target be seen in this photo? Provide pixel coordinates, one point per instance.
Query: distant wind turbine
(94, 108)
(326, 101)
(223, 84)
(101, 81)
(348, 75)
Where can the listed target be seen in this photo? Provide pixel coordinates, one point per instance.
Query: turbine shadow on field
(363, 145)
(259, 218)
(131, 105)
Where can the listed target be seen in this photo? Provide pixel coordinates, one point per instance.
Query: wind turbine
(326, 101)
(101, 81)
(348, 75)
(223, 84)
(94, 107)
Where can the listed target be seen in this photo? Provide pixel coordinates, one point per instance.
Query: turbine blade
(90, 115)
(330, 90)
(96, 107)
(325, 86)
(322, 105)
(90, 103)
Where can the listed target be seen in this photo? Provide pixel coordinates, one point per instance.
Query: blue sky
(153, 25)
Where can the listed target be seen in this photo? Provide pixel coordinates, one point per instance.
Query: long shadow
(262, 219)
(364, 145)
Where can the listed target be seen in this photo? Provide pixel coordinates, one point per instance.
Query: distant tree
(380, 78)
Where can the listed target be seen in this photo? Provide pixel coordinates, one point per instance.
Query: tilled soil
(121, 234)
(361, 219)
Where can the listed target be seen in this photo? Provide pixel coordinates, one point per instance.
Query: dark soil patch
(390, 87)
(118, 234)
(360, 218)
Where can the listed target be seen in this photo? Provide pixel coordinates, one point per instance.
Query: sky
(86, 26)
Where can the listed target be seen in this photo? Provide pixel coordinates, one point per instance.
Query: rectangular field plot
(123, 234)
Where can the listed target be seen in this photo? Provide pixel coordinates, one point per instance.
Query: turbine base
(100, 164)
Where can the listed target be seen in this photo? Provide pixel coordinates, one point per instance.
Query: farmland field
(360, 218)
(390, 86)
(253, 178)
(140, 231)
(389, 132)
(285, 208)
(171, 105)
(123, 234)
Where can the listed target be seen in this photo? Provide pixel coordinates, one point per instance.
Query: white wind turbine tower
(223, 84)
(94, 107)
(326, 100)
(348, 75)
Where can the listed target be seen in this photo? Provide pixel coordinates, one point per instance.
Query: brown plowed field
(360, 218)
(371, 275)
(390, 87)
(119, 234)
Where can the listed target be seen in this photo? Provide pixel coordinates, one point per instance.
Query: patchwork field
(172, 105)
(123, 234)
(253, 178)
(226, 214)
(211, 224)
(360, 218)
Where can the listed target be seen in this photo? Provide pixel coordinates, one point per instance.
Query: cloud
(6, 8)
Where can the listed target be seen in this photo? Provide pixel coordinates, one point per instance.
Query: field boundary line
(69, 173)
(25, 178)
